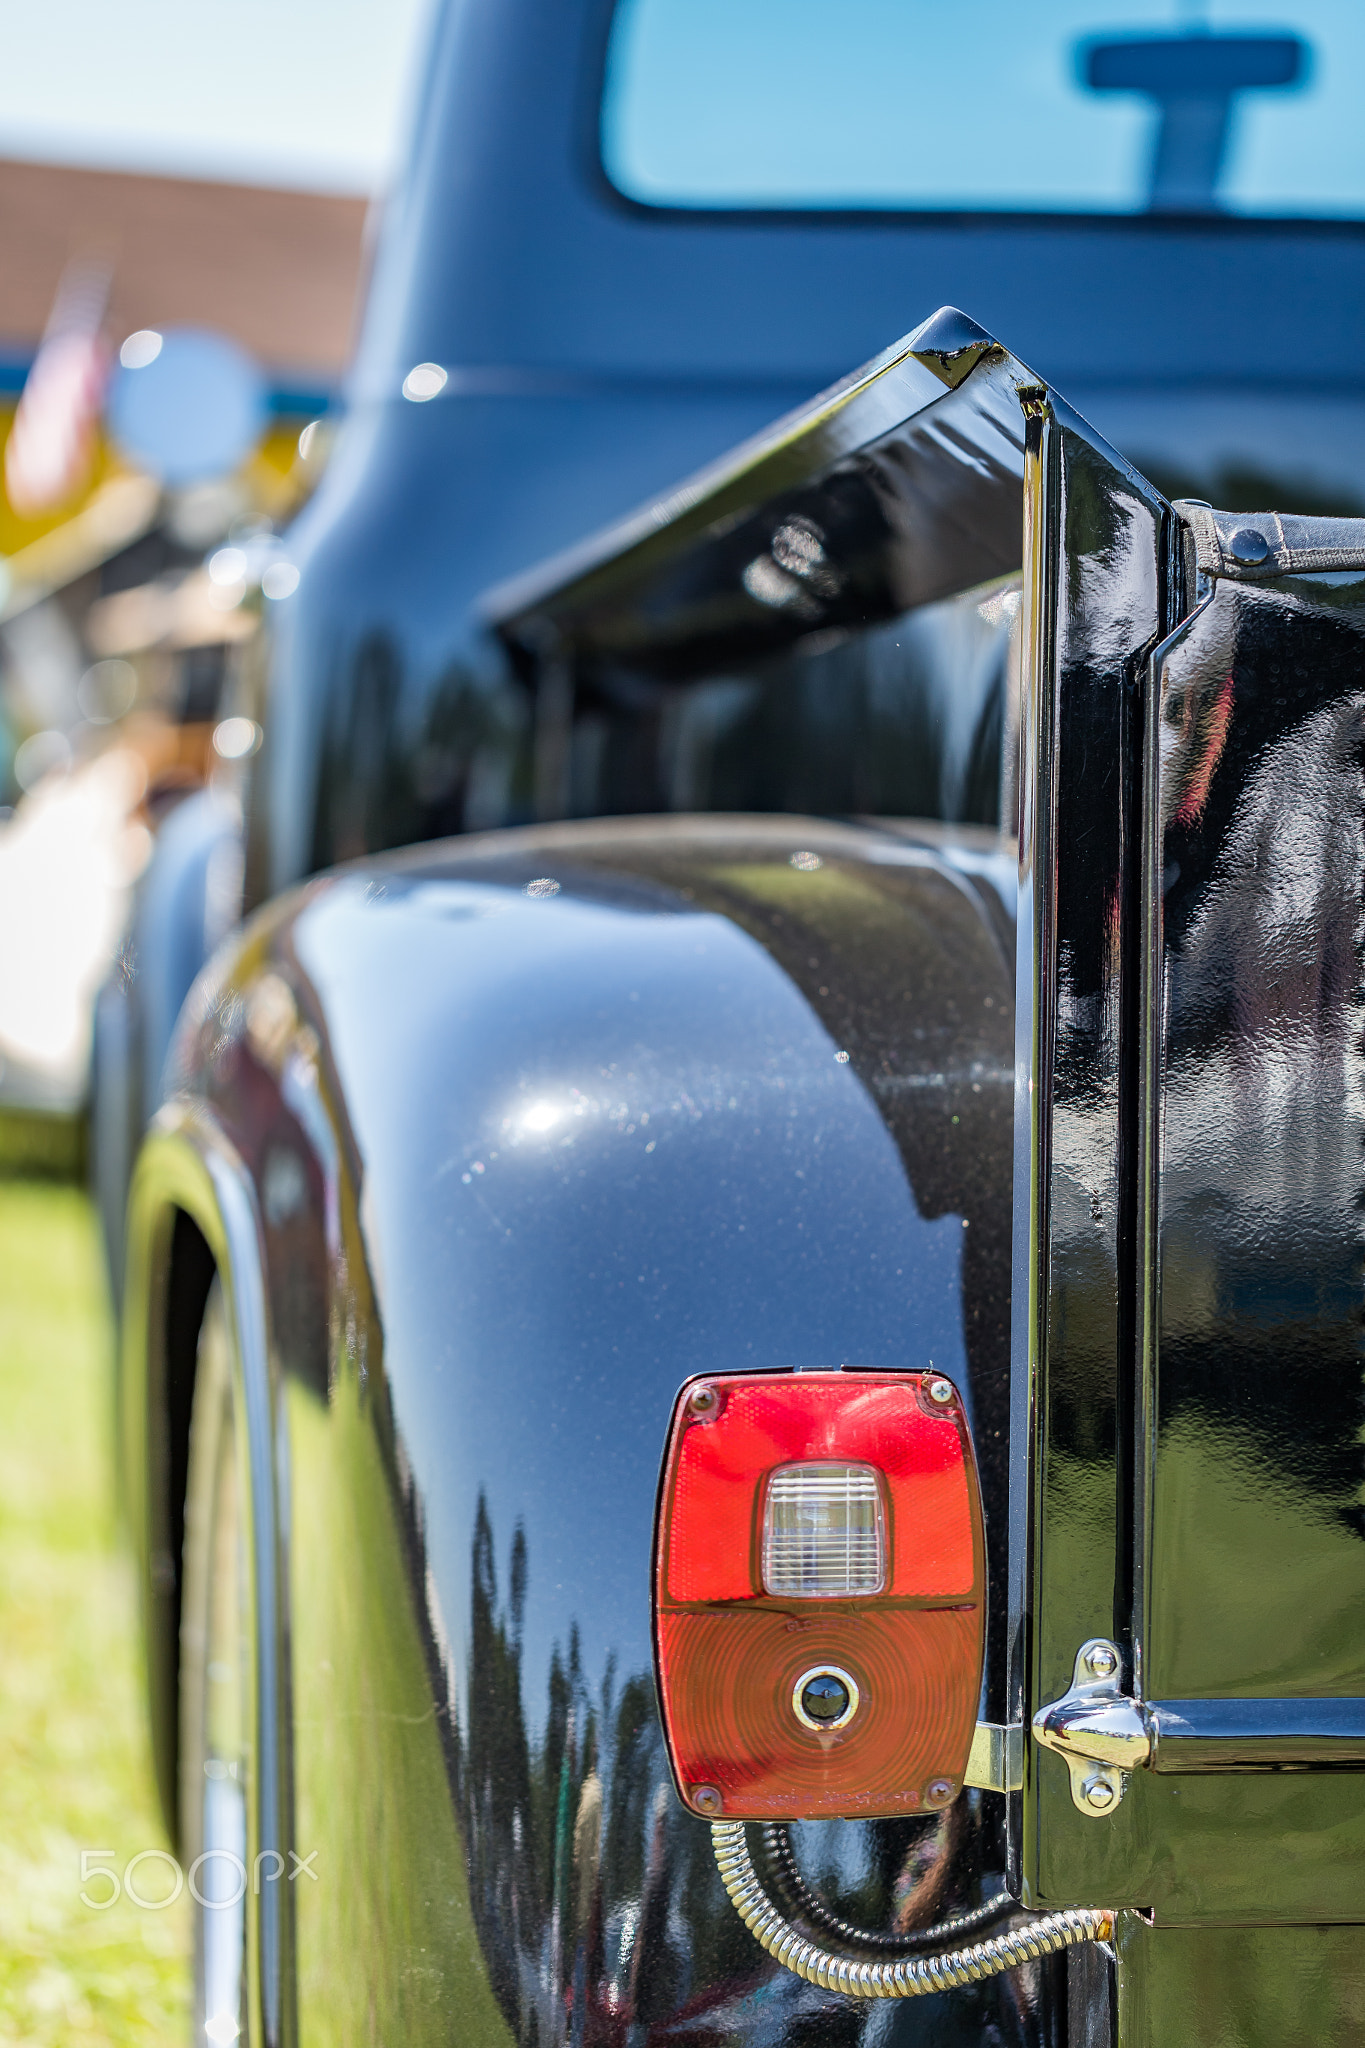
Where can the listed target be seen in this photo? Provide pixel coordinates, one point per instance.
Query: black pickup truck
(974, 1211)
(741, 1395)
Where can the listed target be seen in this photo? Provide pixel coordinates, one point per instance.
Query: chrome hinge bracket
(1102, 1732)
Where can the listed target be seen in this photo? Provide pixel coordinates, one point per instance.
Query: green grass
(74, 1767)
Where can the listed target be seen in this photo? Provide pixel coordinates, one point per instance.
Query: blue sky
(296, 92)
(899, 100)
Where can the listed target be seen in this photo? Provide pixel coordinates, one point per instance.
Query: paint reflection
(594, 1893)
(1259, 1472)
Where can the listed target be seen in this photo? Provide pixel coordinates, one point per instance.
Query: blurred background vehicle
(121, 469)
(182, 223)
(162, 166)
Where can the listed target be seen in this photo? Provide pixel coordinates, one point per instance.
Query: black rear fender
(537, 1126)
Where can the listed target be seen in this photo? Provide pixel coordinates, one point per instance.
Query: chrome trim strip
(1248, 1735)
(188, 1163)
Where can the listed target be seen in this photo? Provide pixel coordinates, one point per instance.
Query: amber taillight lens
(819, 1598)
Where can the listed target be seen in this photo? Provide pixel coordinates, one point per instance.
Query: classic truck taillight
(819, 1597)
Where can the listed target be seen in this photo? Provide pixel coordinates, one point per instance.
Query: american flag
(52, 440)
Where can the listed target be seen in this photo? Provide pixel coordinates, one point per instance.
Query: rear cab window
(908, 106)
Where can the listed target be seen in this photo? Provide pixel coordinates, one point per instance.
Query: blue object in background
(190, 409)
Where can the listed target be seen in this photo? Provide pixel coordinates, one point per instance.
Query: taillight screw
(940, 1391)
(702, 1402)
(706, 1799)
(1098, 1793)
(939, 1791)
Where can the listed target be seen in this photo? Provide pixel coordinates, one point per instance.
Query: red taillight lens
(819, 1600)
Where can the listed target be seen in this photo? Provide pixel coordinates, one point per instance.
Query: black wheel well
(190, 1274)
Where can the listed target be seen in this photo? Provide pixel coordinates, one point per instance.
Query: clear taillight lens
(824, 1533)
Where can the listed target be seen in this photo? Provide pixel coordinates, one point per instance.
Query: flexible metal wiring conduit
(777, 1843)
(908, 1976)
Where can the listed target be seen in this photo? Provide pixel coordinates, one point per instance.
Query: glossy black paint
(188, 901)
(1255, 1378)
(620, 346)
(486, 1270)
(1199, 1466)
(1126, 1516)
(809, 627)
(1262, 744)
(1097, 602)
(798, 555)
(697, 1108)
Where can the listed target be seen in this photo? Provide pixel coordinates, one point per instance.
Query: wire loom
(908, 1976)
(777, 1843)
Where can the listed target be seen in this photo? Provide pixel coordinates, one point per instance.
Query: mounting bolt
(1098, 1793)
(703, 1402)
(940, 1391)
(706, 1799)
(1248, 546)
(939, 1791)
(1103, 1661)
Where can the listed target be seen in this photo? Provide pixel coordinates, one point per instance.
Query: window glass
(1248, 106)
